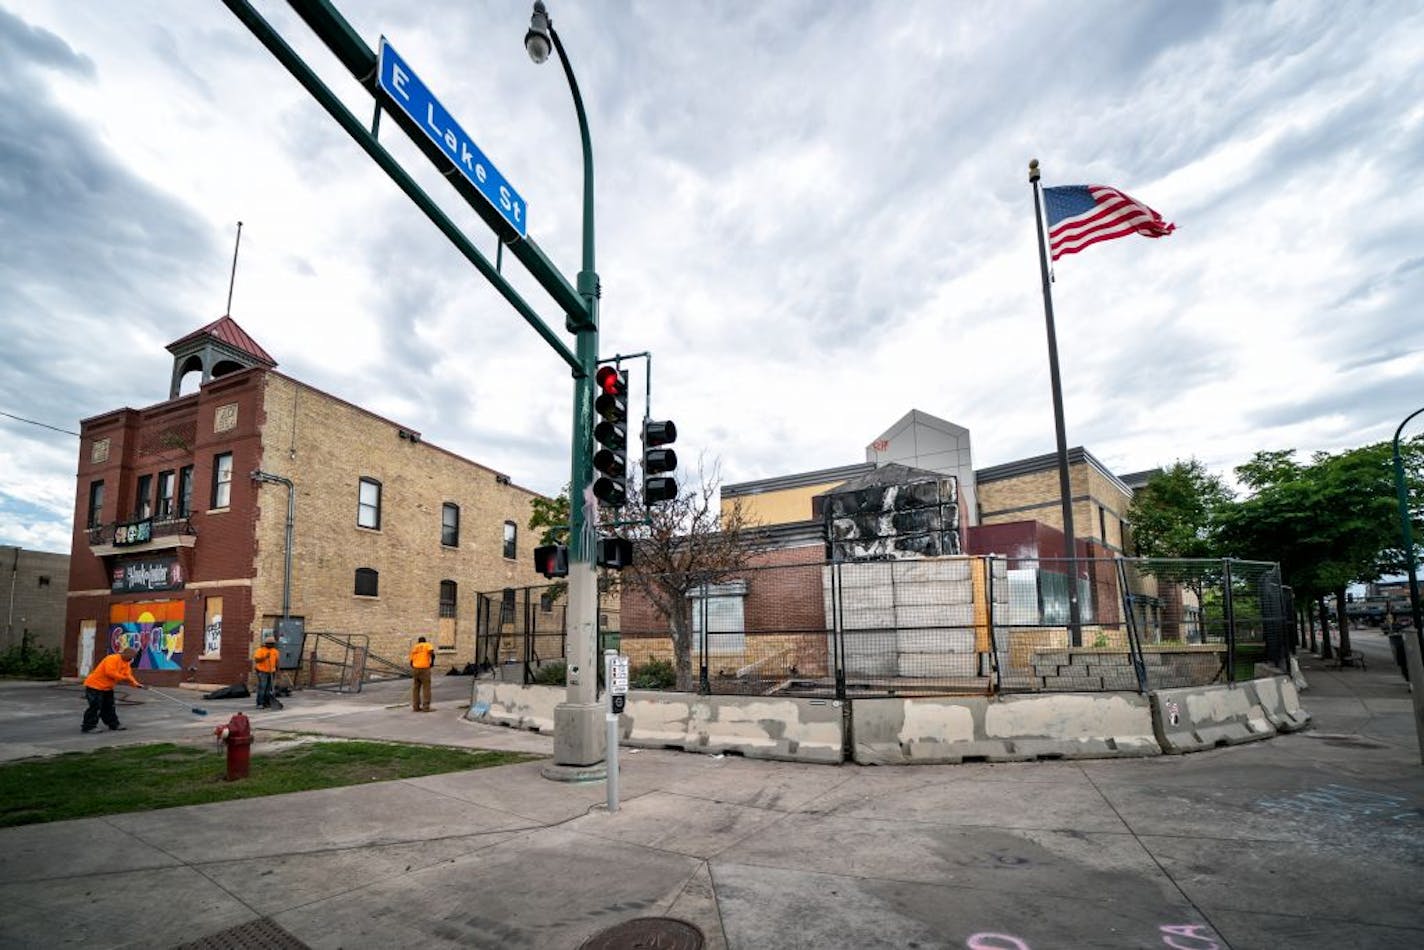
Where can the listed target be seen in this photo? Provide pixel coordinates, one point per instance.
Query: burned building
(891, 513)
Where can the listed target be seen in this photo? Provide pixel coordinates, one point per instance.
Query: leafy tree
(549, 515)
(1177, 515)
(1177, 512)
(1330, 523)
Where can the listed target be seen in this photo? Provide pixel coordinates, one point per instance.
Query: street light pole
(1406, 531)
(578, 739)
(1414, 658)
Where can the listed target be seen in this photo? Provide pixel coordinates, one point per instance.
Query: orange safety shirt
(265, 660)
(111, 671)
(422, 656)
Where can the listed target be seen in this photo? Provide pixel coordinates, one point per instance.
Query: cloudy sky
(816, 216)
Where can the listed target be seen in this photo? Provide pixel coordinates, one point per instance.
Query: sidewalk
(1308, 840)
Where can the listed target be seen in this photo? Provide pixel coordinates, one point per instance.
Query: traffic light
(611, 433)
(614, 553)
(552, 560)
(656, 461)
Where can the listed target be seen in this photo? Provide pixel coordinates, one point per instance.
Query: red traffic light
(552, 560)
(611, 381)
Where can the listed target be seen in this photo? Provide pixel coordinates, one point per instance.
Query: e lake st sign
(406, 92)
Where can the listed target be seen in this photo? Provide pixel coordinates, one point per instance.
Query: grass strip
(164, 775)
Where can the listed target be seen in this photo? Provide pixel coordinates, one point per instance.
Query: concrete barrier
(1279, 698)
(1003, 729)
(793, 729)
(1204, 717)
(517, 705)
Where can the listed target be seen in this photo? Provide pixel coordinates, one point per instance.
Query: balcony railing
(140, 531)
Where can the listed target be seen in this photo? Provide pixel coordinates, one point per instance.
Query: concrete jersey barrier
(791, 729)
(516, 705)
(1204, 717)
(931, 729)
(1005, 729)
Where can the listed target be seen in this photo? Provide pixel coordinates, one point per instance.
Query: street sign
(406, 92)
(618, 675)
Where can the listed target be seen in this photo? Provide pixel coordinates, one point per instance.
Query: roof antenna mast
(233, 279)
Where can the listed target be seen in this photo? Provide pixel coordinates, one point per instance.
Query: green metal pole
(1413, 658)
(578, 740)
(1407, 532)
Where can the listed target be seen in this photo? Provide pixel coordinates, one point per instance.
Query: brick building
(34, 584)
(181, 551)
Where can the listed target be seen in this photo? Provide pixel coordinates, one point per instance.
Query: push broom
(195, 710)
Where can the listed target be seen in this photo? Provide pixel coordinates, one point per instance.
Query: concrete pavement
(1308, 840)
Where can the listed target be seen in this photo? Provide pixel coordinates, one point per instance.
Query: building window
(725, 616)
(143, 500)
(448, 598)
(96, 503)
(367, 582)
(1103, 524)
(185, 491)
(166, 484)
(44, 580)
(506, 607)
(450, 525)
(510, 536)
(222, 480)
(368, 504)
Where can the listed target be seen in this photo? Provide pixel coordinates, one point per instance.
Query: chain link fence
(792, 623)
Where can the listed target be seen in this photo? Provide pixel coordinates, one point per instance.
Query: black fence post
(704, 681)
(989, 616)
(1230, 617)
(838, 629)
(1129, 616)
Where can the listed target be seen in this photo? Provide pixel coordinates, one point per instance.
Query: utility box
(291, 638)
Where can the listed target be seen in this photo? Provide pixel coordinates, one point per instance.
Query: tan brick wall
(325, 446)
(1035, 497)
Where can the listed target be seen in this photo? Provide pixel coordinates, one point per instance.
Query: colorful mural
(153, 628)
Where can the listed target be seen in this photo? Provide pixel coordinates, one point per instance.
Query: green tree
(1329, 523)
(549, 515)
(1177, 513)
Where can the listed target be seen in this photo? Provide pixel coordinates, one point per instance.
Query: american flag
(1079, 215)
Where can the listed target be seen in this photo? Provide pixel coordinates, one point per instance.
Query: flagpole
(1075, 621)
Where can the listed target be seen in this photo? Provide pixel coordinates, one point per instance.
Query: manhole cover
(260, 934)
(647, 933)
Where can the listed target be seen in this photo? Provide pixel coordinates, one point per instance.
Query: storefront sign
(163, 574)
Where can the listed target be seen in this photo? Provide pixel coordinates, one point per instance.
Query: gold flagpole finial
(1033, 170)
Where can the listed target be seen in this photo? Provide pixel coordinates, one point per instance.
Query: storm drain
(260, 934)
(663, 933)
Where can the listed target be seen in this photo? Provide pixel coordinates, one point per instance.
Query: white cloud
(815, 215)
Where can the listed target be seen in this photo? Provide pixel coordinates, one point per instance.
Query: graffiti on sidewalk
(1342, 803)
(1176, 936)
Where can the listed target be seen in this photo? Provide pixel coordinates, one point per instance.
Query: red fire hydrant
(237, 735)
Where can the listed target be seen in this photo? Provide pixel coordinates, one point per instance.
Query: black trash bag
(235, 691)
(467, 670)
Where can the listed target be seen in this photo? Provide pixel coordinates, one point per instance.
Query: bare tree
(687, 542)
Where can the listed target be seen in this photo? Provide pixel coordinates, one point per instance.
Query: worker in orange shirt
(99, 689)
(422, 659)
(264, 661)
